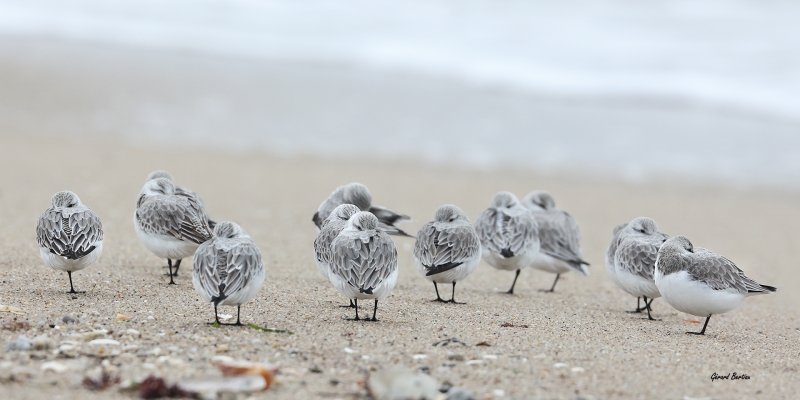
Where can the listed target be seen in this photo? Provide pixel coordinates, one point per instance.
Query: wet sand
(579, 341)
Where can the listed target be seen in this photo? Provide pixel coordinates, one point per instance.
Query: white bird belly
(247, 293)
(696, 298)
(351, 292)
(519, 261)
(547, 263)
(636, 285)
(456, 274)
(60, 263)
(166, 246)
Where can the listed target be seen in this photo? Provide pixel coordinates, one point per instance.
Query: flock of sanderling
(354, 252)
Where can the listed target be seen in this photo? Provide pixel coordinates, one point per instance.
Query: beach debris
(133, 332)
(95, 334)
(104, 342)
(21, 343)
(476, 362)
(100, 379)
(11, 309)
(445, 342)
(231, 367)
(400, 383)
(483, 344)
(577, 370)
(510, 325)
(349, 350)
(455, 357)
(14, 326)
(102, 348)
(315, 370)
(68, 319)
(490, 356)
(692, 321)
(123, 318)
(42, 342)
(499, 393)
(559, 365)
(156, 388)
(232, 384)
(262, 329)
(459, 393)
(334, 381)
(420, 356)
(54, 366)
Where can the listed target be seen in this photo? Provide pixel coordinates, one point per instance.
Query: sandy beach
(579, 341)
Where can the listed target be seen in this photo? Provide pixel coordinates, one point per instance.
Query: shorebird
(364, 263)
(69, 234)
(447, 249)
(635, 260)
(508, 234)
(180, 191)
(700, 282)
(169, 225)
(559, 238)
(331, 228)
(358, 195)
(227, 269)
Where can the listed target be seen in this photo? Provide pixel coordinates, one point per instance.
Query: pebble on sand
(21, 343)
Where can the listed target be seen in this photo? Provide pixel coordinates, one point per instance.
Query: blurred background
(694, 91)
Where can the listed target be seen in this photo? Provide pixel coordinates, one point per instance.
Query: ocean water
(700, 90)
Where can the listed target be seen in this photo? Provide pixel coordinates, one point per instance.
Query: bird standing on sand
(559, 238)
(508, 234)
(69, 234)
(331, 228)
(228, 270)
(635, 260)
(358, 195)
(180, 191)
(700, 282)
(447, 249)
(169, 225)
(364, 263)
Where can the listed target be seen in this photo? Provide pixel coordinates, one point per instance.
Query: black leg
(71, 288)
(374, 311)
(351, 305)
(647, 306)
(453, 297)
(216, 317)
(171, 282)
(439, 299)
(511, 291)
(238, 314)
(355, 302)
(638, 307)
(552, 288)
(177, 265)
(168, 262)
(702, 332)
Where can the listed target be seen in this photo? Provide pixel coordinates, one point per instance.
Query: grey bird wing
(503, 234)
(222, 271)
(560, 236)
(721, 273)
(441, 248)
(324, 240)
(364, 265)
(85, 227)
(175, 216)
(637, 256)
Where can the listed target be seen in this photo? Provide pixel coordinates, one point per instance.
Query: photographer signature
(733, 376)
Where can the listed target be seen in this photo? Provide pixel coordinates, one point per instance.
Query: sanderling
(228, 270)
(69, 234)
(358, 195)
(180, 191)
(364, 263)
(559, 238)
(611, 270)
(700, 282)
(447, 250)
(331, 228)
(169, 225)
(508, 234)
(635, 259)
